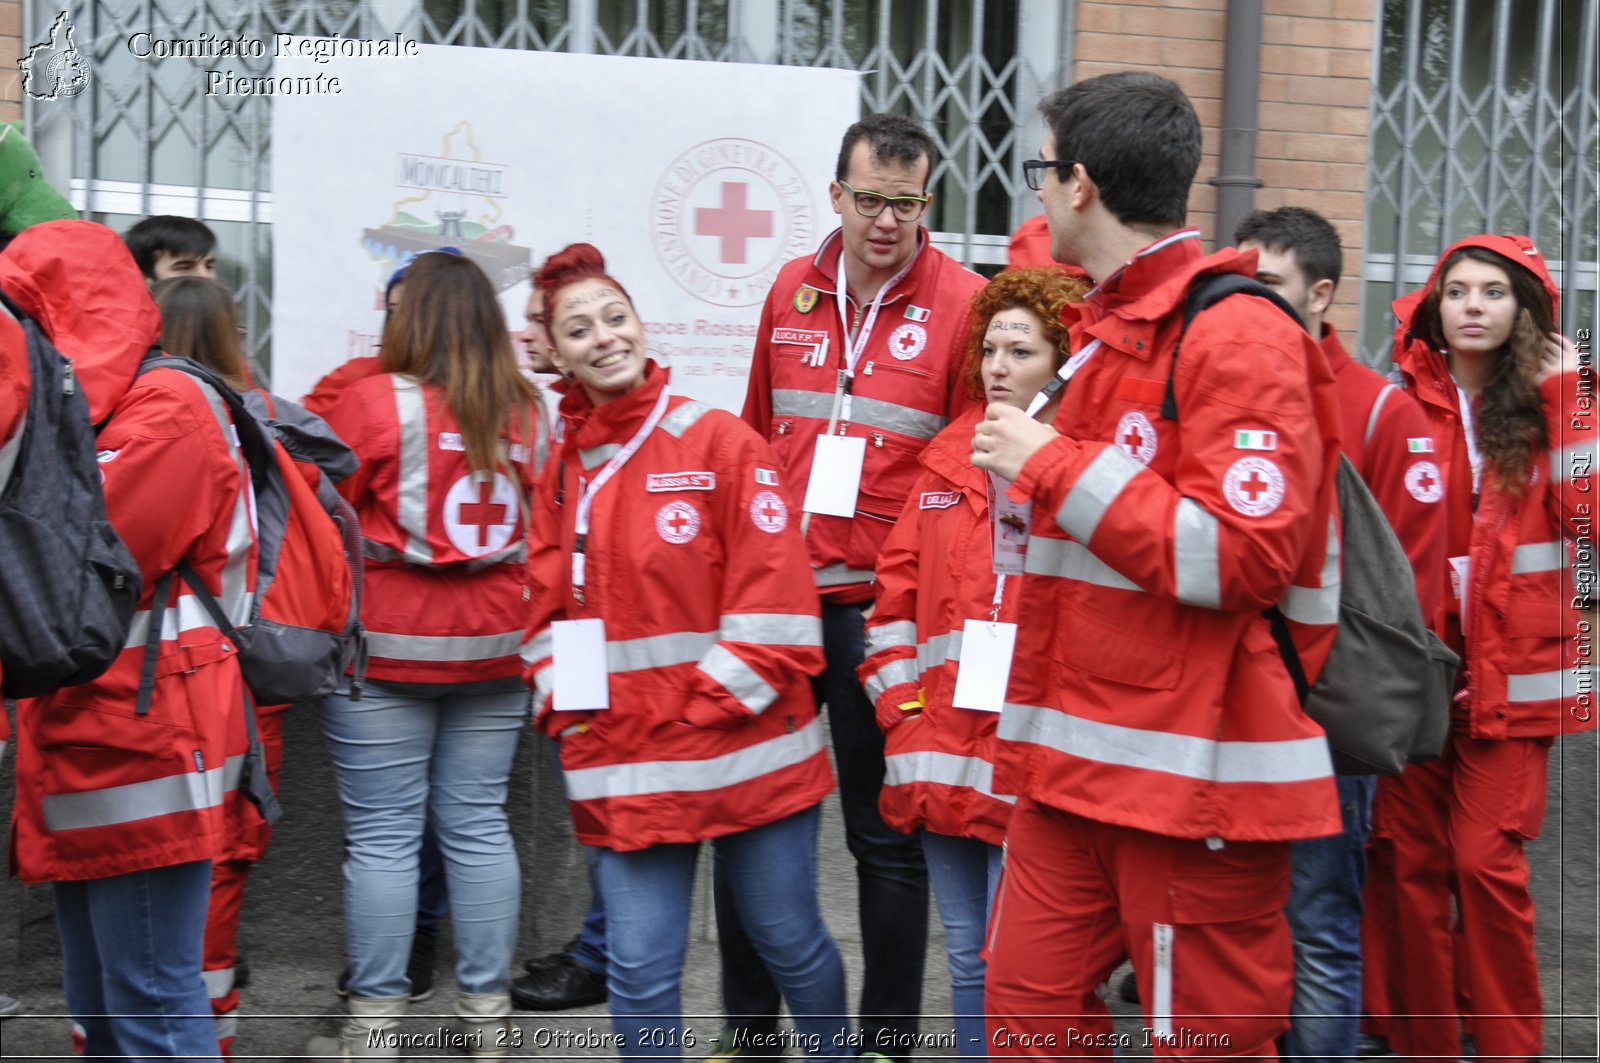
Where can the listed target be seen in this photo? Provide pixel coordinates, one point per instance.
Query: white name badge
(836, 476)
(985, 667)
(579, 651)
(1460, 567)
(1012, 523)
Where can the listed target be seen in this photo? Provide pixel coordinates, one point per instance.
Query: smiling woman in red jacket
(936, 573)
(665, 561)
(1512, 411)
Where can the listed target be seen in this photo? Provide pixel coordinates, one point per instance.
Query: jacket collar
(1333, 348)
(824, 272)
(589, 425)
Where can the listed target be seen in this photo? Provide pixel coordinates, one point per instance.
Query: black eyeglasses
(1034, 169)
(871, 204)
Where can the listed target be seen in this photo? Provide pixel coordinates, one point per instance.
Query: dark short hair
(169, 233)
(891, 138)
(1298, 231)
(1138, 137)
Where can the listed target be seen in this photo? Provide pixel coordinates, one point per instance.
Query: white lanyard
(854, 346)
(1068, 370)
(589, 490)
(1474, 455)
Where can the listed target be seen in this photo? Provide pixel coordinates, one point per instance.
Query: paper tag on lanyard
(1011, 523)
(835, 476)
(985, 666)
(578, 654)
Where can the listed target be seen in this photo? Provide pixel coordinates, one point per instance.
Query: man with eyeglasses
(1151, 733)
(854, 370)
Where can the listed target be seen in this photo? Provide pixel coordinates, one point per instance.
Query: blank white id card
(836, 476)
(582, 681)
(985, 666)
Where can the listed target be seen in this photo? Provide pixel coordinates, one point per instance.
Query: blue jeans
(405, 755)
(589, 950)
(964, 872)
(771, 871)
(131, 950)
(890, 872)
(1324, 913)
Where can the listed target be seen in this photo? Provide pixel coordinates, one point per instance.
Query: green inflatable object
(26, 198)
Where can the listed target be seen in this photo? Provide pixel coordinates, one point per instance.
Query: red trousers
(1204, 927)
(1452, 832)
(250, 834)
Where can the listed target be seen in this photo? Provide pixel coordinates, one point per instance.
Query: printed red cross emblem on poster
(733, 223)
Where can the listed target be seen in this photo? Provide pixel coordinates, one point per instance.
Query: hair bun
(571, 263)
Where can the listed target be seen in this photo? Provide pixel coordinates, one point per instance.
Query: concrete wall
(1316, 69)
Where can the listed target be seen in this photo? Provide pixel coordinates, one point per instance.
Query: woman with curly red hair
(939, 573)
(665, 561)
(1511, 409)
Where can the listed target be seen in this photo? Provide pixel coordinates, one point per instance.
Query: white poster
(696, 180)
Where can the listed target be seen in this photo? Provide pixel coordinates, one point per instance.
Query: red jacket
(14, 376)
(1147, 690)
(1386, 436)
(906, 388)
(1030, 249)
(445, 547)
(1528, 662)
(101, 790)
(325, 395)
(695, 564)
(935, 573)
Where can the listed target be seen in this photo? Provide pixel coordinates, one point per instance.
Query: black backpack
(68, 585)
(1383, 696)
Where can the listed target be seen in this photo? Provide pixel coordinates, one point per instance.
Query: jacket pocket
(1106, 651)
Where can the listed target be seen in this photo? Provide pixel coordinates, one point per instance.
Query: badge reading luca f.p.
(805, 298)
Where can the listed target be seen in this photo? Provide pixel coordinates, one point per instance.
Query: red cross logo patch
(1424, 482)
(908, 341)
(768, 512)
(1253, 486)
(677, 522)
(1137, 436)
(481, 513)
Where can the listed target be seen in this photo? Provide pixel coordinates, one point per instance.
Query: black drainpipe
(1236, 179)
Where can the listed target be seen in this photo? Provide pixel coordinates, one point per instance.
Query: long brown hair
(448, 331)
(1042, 291)
(199, 322)
(1508, 416)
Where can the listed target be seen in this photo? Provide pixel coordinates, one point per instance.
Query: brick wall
(10, 53)
(1316, 67)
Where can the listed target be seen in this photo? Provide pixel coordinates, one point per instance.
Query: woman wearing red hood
(1512, 412)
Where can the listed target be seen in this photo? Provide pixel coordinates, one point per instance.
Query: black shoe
(551, 959)
(558, 987)
(419, 968)
(1128, 988)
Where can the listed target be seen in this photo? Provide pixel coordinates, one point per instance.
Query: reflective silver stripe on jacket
(1568, 463)
(887, 636)
(595, 457)
(411, 488)
(219, 982)
(537, 647)
(772, 629)
(10, 450)
(738, 679)
(226, 1024)
(186, 615)
(188, 791)
(1549, 686)
(875, 413)
(397, 647)
(1539, 557)
(1069, 559)
(1294, 760)
(939, 649)
(1094, 490)
(1377, 408)
(1196, 568)
(682, 419)
(840, 575)
(657, 651)
(1317, 605)
(899, 670)
(695, 776)
(235, 599)
(945, 769)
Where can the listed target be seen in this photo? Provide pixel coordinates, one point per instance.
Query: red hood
(78, 281)
(1517, 249)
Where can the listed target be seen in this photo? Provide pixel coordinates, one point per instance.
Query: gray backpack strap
(1377, 408)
